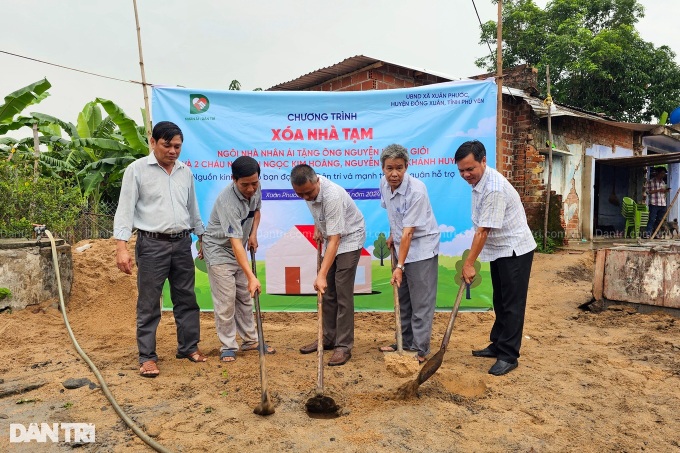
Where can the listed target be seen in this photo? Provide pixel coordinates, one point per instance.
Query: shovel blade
(321, 404)
(431, 366)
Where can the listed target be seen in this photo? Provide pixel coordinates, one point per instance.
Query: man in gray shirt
(414, 234)
(338, 221)
(233, 227)
(158, 199)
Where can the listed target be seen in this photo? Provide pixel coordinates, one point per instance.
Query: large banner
(340, 135)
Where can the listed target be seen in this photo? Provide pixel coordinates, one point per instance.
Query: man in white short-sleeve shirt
(339, 223)
(502, 237)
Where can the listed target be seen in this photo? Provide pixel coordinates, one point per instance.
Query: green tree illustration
(458, 278)
(380, 249)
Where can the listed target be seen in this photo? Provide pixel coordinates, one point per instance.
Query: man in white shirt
(414, 237)
(502, 237)
(338, 221)
(158, 199)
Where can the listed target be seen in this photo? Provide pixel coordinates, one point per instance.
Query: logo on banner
(198, 103)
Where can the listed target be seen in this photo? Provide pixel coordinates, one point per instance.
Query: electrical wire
(479, 19)
(72, 69)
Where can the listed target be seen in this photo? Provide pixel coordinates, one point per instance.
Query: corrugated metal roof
(346, 66)
(642, 161)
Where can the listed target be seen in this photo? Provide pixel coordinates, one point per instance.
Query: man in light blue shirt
(414, 237)
(502, 237)
(158, 199)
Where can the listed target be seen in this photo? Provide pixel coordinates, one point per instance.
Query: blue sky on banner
(341, 136)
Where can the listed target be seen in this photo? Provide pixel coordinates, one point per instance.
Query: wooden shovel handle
(319, 338)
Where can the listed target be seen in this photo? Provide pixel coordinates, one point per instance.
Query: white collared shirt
(496, 205)
(152, 200)
(335, 212)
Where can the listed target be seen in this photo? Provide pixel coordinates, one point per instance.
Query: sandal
(149, 369)
(195, 356)
(253, 347)
(392, 348)
(421, 359)
(228, 356)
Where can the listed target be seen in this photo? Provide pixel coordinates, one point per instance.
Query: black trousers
(510, 281)
(158, 260)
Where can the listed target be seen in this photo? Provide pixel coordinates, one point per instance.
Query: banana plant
(17, 101)
(101, 148)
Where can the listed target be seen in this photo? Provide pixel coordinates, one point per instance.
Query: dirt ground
(587, 382)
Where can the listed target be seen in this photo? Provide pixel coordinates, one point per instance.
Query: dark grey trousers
(338, 301)
(158, 260)
(417, 301)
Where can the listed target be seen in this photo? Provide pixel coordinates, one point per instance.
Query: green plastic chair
(641, 217)
(629, 212)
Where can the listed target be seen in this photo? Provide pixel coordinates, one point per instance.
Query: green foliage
(17, 101)
(550, 244)
(380, 249)
(597, 59)
(5, 293)
(54, 202)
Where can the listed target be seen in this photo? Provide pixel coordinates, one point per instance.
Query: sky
(206, 44)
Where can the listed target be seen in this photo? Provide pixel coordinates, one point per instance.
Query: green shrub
(550, 243)
(52, 201)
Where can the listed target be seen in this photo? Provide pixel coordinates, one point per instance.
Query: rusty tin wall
(645, 275)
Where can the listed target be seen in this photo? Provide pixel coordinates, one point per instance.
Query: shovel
(397, 310)
(265, 407)
(431, 366)
(320, 404)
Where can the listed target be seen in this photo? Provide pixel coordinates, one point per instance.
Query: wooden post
(663, 219)
(499, 95)
(144, 84)
(548, 102)
(36, 152)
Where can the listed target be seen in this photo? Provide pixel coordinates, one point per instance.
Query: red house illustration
(291, 264)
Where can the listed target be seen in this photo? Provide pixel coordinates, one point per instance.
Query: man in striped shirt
(656, 190)
(502, 237)
(338, 221)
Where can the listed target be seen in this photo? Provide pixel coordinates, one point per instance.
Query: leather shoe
(311, 347)
(486, 352)
(339, 357)
(501, 367)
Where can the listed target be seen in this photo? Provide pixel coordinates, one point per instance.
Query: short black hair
(658, 169)
(301, 174)
(244, 166)
(474, 147)
(166, 130)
